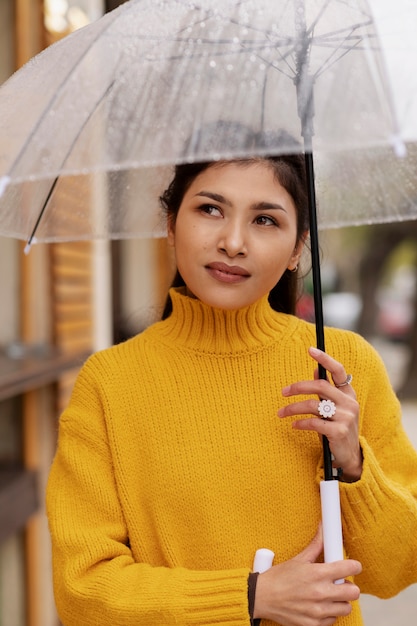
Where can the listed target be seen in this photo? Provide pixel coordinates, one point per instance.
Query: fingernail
(315, 351)
(286, 391)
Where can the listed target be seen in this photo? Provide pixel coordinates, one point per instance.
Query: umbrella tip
(4, 181)
(27, 247)
(399, 147)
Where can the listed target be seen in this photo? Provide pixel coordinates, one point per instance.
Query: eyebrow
(258, 206)
(214, 196)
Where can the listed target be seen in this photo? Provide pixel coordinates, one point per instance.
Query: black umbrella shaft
(318, 299)
(315, 255)
(304, 83)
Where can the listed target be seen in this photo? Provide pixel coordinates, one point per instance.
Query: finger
(344, 569)
(344, 444)
(346, 592)
(318, 386)
(305, 407)
(314, 424)
(346, 405)
(322, 389)
(336, 369)
(329, 363)
(337, 433)
(311, 553)
(325, 428)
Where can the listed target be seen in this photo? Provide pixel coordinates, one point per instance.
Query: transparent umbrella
(129, 90)
(89, 128)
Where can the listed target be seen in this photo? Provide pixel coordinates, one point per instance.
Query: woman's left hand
(342, 429)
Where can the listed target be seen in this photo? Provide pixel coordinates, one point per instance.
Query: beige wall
(9, 291)
(146, 268)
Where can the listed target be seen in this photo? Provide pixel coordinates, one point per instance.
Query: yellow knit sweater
(172, 468)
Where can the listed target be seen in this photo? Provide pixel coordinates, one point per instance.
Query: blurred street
(402, 609)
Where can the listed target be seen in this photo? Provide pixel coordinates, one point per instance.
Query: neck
(201, 327)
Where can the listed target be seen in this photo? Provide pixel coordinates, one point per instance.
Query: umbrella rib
(312, 26)
(257, 47)
(265, 44)
(243, 49)
(41, 213)
(52, 187)
(332, 59)
(239, 51)
(329, 36)
(55, 96)
(331, 39)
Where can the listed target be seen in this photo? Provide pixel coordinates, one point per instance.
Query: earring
(294, 269)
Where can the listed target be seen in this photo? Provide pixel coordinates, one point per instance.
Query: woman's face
(235, 234)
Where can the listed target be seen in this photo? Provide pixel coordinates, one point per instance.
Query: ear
(295, 259)
(171, 232)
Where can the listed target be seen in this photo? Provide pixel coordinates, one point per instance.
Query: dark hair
(289, 170)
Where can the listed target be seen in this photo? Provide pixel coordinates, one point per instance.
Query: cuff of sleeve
(373, 491)
(216, 597)
(337, 472)
(252, 580)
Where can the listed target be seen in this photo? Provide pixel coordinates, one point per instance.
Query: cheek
(275, 275)
(274, 266)
(184, 248)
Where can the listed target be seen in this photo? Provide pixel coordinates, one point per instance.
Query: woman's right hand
(302, 592)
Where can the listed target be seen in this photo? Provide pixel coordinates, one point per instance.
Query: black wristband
(252, 580)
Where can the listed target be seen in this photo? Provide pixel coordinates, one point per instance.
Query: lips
(227, 273)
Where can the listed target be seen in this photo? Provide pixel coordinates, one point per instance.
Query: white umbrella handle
(263, 560)
(332, 530)
(332, 522)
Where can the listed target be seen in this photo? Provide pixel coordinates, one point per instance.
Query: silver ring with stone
(345, 382)
(326, 409)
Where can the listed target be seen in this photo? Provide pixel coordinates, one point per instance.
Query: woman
(172, 465)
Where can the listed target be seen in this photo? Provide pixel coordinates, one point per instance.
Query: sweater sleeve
(380, 523)
(96, 579)
(379, 511)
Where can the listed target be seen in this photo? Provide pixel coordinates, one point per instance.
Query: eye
(210, 209)
(266, 220)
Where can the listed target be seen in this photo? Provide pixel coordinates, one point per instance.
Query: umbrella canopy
(90, 127)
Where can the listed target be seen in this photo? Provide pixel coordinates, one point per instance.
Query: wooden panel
(72, 312)
(55, 295)
(21, 375)
(72, 307)
(29, 29)
(18, 500)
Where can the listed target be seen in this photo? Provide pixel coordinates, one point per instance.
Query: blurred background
(369, 276)
(64, 301)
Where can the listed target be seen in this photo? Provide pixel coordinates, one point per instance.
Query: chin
(220, 296)
(230, 303)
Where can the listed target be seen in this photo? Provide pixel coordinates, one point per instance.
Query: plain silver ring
(348, 380)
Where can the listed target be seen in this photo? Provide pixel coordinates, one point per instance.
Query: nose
(233, 239)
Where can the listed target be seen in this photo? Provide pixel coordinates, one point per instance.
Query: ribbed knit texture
(173, 468)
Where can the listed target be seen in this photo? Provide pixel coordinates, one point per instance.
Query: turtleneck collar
(199, 327)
